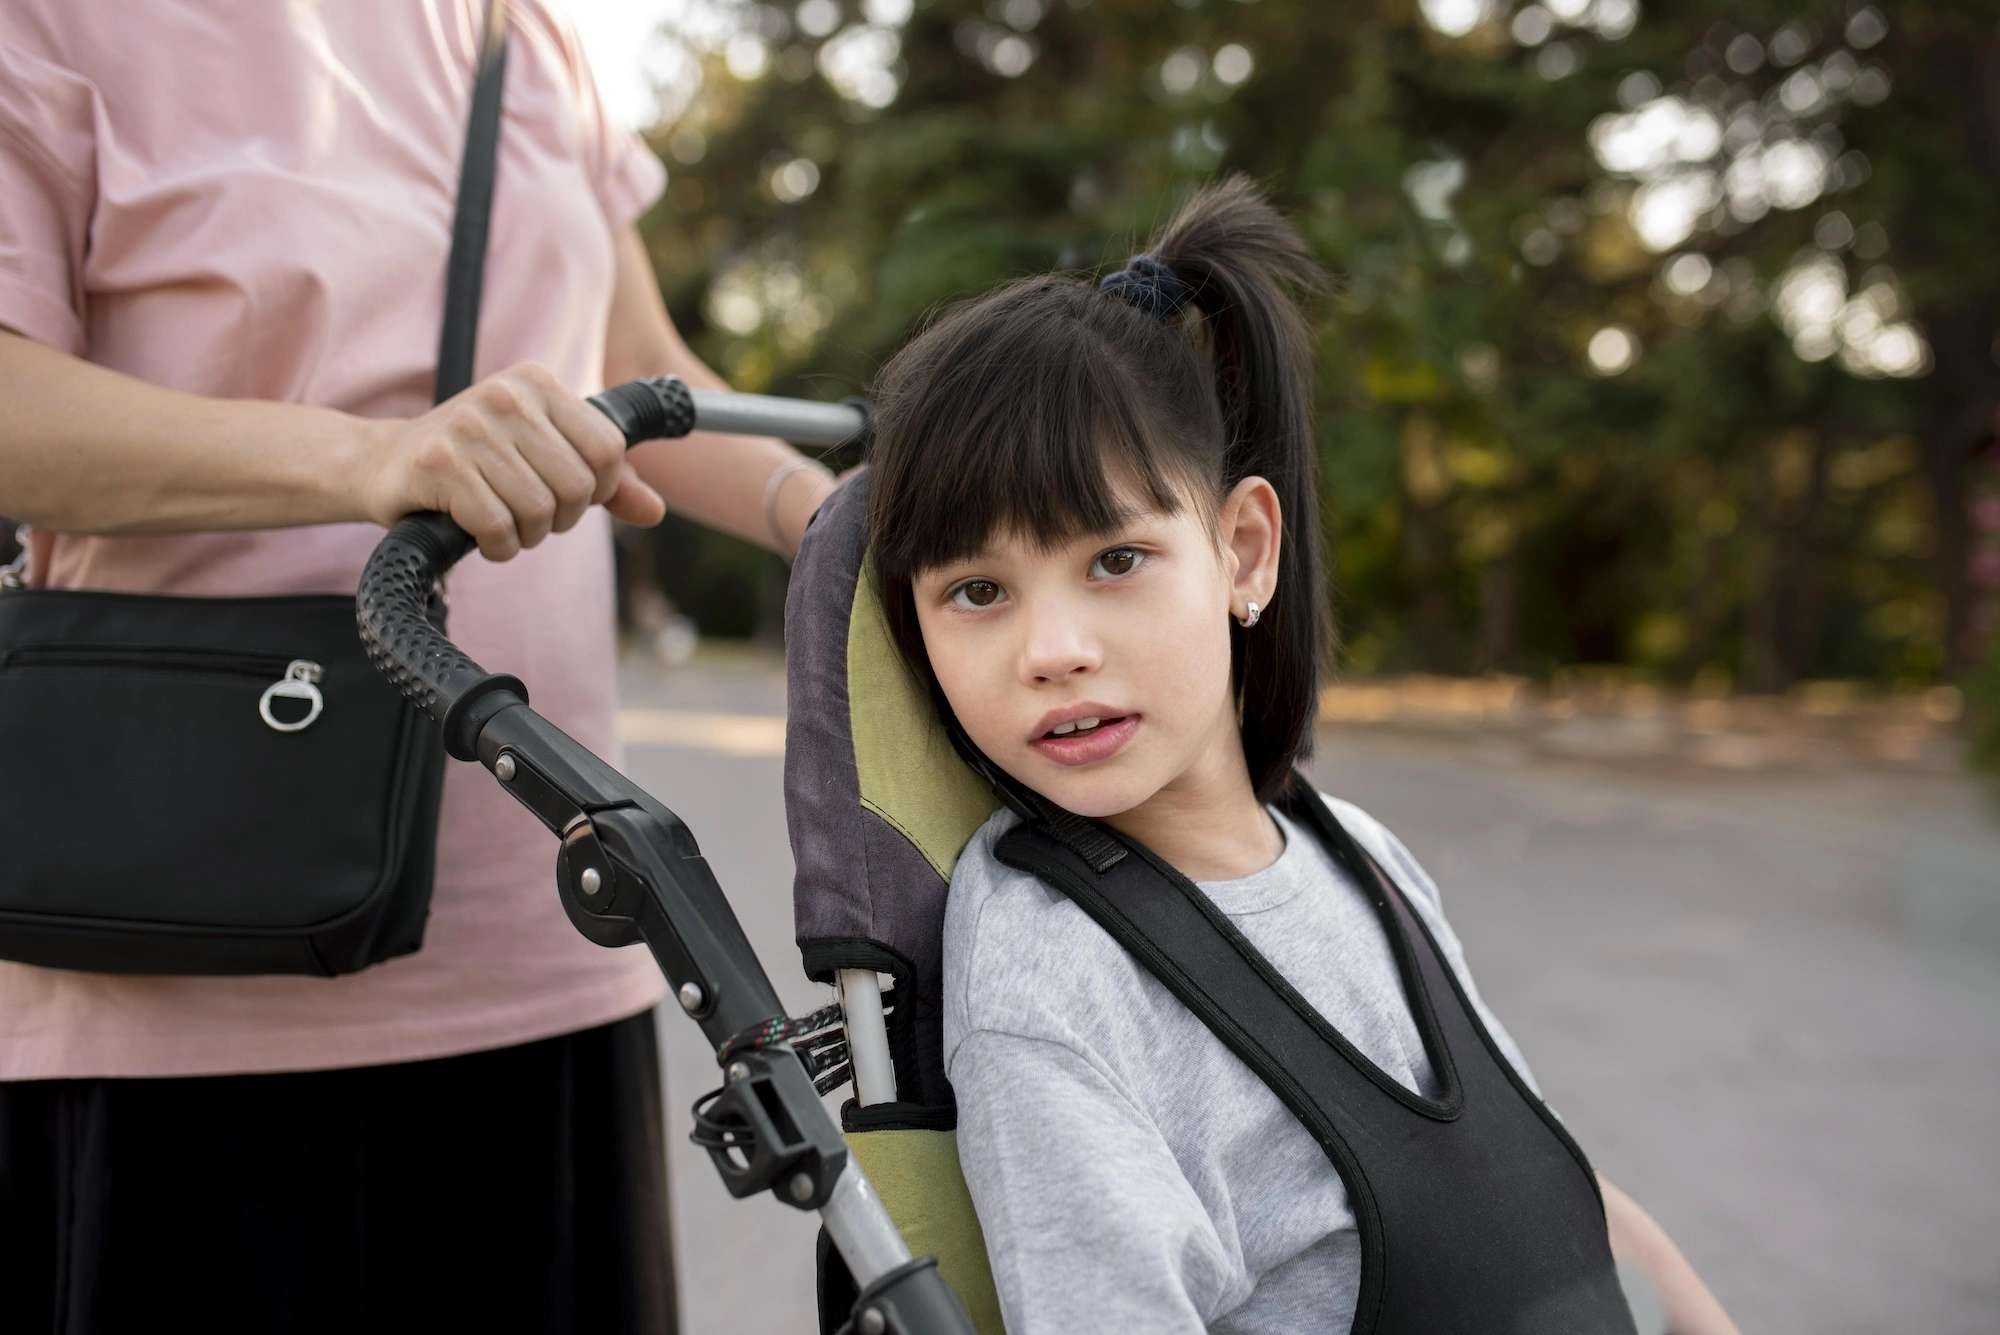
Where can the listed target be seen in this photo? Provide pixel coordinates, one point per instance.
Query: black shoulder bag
(225, 785)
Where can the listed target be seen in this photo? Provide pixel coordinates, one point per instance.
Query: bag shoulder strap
(465, 271)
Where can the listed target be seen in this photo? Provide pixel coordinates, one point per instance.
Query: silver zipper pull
(300, 682)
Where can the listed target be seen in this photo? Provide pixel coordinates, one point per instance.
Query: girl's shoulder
(1021, 958)
(1381, 843)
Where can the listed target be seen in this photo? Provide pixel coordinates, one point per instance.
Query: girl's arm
(1089, 1223)
(1638, 1241)
(720, 480)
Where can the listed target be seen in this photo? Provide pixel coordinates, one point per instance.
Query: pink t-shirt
(257, 204)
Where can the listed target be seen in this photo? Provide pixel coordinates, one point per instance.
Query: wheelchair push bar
(629, 870)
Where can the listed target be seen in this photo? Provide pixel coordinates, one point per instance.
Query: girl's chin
(1096, 795)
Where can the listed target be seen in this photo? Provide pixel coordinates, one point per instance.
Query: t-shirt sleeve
(48, 187)
(1089, 1223)
(625, 175)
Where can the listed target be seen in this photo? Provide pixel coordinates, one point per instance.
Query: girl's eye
(976, 593)
(1117, 561)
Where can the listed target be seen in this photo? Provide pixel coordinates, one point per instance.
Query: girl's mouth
(1087, 739)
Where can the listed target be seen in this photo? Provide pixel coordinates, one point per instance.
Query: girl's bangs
(1045, 448)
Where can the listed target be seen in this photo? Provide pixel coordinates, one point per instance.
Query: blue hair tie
(1151, 285)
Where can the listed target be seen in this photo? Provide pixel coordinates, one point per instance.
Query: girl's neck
(1208, 823)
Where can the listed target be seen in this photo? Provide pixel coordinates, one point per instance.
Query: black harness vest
(1477, 1213)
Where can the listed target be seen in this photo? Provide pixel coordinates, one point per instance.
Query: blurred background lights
(1790, 44)
(1233, 64)
(1430, 186)
(1686, 275)
(1011, 56)
(1808, 301)
(1812, 305)
(1181, 70)
(1654, 137)
(1612, 350)
(1833, 231)
(818, 18)
(1614, 20)
(746, 56)
(794, 180)
(1021, 15)
(859, 62)
(1532, 26)
(1871, 85)
(1866, 28)
(1455, 18)
(1664, 211)
(1557, 60)
(1802, 93)
(1637, 88)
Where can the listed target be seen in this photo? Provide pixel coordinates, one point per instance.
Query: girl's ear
(1252, 530)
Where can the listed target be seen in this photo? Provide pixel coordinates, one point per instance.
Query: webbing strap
(1200, 957)
(465, 270)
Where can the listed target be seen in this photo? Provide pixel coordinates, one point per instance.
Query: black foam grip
(391, 609)
(392, 605)
(660, 408)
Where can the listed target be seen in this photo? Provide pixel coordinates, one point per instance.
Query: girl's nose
(1059, 646)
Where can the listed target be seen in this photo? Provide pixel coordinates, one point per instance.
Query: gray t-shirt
(1131, 1174)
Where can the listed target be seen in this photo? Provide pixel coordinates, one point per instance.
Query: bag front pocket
(194, 786)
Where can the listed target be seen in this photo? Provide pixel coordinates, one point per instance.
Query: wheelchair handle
(390, 607)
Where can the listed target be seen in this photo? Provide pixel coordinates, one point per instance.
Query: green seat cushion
(917, 1175)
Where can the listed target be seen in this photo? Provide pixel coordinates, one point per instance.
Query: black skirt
(516, 1190)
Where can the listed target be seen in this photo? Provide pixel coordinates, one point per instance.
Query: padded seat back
(879, 806)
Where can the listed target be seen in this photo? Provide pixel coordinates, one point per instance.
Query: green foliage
(1983, 693)
(1750, 496)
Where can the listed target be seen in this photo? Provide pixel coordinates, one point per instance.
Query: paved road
(1768, 1005)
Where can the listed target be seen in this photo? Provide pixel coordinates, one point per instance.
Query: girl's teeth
(1085, 724)
(1062, 730)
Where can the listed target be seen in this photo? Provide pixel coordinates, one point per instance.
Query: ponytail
(1190, 369)
(1242, 264)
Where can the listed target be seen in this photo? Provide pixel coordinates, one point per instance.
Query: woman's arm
(719, 480)
(87, 450)
(1638, 1241)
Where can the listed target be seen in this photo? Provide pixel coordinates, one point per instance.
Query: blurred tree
(1666, 339)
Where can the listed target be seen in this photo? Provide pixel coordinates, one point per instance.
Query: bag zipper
(289, 678)
(168, 658)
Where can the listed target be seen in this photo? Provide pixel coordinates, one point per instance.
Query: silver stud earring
(1250, 619)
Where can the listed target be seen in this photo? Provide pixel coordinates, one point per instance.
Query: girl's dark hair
(1014, 412)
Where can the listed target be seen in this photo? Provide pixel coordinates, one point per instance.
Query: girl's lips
(1081, 749)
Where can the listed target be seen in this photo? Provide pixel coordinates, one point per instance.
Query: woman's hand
(513, 459)
(87, 450)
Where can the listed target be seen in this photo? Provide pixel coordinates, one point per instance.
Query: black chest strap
(1475, 1210)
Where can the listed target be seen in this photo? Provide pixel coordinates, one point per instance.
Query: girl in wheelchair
(1218, 1061)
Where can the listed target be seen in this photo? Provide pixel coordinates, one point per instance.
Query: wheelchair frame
(629, 870)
